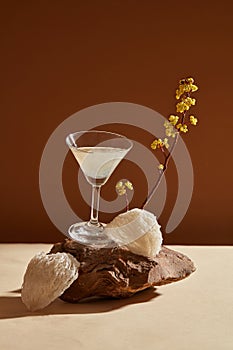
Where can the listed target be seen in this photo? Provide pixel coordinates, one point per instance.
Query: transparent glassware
(98, 153)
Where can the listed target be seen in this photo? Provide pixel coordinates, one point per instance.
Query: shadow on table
(12, 306)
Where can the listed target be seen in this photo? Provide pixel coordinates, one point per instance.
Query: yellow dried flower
(121, 191)
(181, 107)
(182, 127)
(173, 119)
(119, 184)
(169, 129)
(160, 166)
(193, 87)
(193, 120)
(165, 143)
(154, 144)
(185, 104)
(121, 187)
(167, 124)
(159, 143)
(190, 80)
(190, 101)
(185, 85)
(129, 185)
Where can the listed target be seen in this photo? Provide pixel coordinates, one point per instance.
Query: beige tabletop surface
(195, 313)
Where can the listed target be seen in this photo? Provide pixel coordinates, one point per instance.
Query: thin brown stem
(127, 201)
(154, 189)
(165, 156)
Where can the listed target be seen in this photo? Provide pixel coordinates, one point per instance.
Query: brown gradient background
(58, 57)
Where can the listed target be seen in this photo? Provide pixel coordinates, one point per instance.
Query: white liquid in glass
(98, 163)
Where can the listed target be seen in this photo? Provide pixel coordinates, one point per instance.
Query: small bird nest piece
(47, 277)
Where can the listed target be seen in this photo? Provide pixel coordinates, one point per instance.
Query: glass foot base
(91, 235)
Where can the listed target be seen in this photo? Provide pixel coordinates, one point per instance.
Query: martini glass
(98, 153)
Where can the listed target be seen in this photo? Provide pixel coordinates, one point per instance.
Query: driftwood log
(118, 273)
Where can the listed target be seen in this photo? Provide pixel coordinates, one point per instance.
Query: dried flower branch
(174, 126)
(121, 189)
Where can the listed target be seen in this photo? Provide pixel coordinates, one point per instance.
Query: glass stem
(95, 199)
